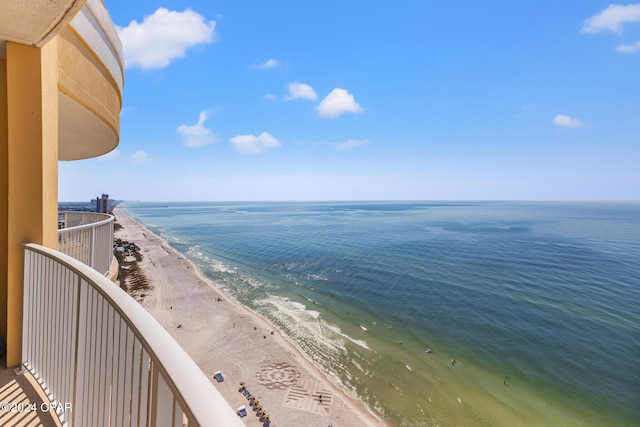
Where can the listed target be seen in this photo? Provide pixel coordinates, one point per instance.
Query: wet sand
(223, 335)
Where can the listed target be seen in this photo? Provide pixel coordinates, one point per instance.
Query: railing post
(78, 355)
(92, 251)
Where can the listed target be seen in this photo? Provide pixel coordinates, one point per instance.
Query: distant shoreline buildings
(104, 204)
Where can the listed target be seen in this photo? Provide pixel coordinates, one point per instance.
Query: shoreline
(221, 334)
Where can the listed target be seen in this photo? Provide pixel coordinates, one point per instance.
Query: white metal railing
(87, 237)
(102, 358)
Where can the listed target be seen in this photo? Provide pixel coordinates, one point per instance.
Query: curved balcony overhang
(82, 134)
(90, 68)
(35, 22)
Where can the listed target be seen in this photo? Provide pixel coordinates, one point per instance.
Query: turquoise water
(539, 303)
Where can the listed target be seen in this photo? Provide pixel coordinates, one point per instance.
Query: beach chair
(242, 411)
(218, 376)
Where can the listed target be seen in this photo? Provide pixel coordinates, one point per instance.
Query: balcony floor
(23, 392)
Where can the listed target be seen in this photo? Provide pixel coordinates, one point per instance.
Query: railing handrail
(108, 218)
(199, 399)
(91, 241)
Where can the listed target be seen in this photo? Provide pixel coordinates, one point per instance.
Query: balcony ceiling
(34, 22)
(82, 134)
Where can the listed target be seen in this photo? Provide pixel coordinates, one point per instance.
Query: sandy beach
(223, 335)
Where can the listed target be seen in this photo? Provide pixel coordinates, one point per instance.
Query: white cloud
(629, 48)
(300, 91)
(268, 64)
(249, 144)
(352, 143)
(566, 121)
(164, 36)
(336, 103)
(612, 18)
(197, 135)
(138, 157)
(270, 96)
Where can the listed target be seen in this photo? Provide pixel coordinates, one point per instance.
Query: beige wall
(32, 172)
(4, 197)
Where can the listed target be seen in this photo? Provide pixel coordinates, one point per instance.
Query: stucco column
(32, 173)
(4, 197)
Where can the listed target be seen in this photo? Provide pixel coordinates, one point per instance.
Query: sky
(372, 100)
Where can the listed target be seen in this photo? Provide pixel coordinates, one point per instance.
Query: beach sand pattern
(309, 395)
(280, 375)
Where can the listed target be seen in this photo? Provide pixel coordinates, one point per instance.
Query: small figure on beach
(453, 362)
(234, 324)
(506, 379)
(399, 342)
(320, 399)
(272, 332)
(179, 325)
(428, 350)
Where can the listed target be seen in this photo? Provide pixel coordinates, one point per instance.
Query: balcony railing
(102, 359)
(87, 237)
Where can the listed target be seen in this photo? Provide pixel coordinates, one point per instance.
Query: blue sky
(373, 100)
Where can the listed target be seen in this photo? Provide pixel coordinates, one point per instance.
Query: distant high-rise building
(103, 204)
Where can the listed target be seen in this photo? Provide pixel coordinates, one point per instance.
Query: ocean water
(538, 303)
